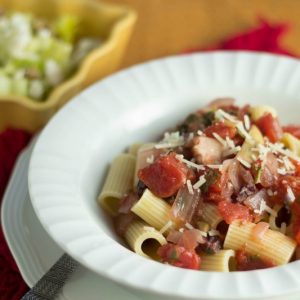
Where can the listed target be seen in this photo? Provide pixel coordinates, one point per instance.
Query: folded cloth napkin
(12, 286)
(265, 37)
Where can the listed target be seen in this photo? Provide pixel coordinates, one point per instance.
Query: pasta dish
(219, 192)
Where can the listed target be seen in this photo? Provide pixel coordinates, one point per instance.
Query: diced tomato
(178, 256)
(292, 129)
(217, 186)
(165, 176)
(247, 262)
(296, 210)
(297, 237)
(234, 211)
(238, 140)
(222, 129)
(297, 166)
(215, 197)
(270, 127)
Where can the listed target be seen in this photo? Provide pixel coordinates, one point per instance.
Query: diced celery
(66, 27)
(20, 86)
(53, 72)
(37, 89)
(5, 85)
(59, 51)
(28, 62)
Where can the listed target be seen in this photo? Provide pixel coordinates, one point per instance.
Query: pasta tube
(211, 215)
(144, 240)
(274, 245)
(153, 210)
(291, 143)
(118, 182)
(218, 262)
(259, 110)
(134, 148)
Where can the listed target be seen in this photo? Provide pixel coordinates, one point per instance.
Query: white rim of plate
(108, 258)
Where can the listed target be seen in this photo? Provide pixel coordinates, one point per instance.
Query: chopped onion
(259, 230)
(239, 176)
(191, 238)
(174, 236)
(269, 171)
(185, 205)
(257, 201)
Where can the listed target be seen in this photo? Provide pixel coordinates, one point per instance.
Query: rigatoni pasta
(274, 245)
(118, 182)
(211, 215)
(220, 192)
(218, 262)
(144, 240)
(153, 210)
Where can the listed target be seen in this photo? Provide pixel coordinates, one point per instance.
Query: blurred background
(167, 27)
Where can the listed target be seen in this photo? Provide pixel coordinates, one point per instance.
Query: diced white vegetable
(36, 89)
(20, 86)
(53, 72)
(5, 85)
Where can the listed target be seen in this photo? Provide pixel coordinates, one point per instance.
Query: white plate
(35, 252)
(71, 157)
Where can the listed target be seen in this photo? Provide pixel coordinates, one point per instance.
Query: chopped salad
(38, 54)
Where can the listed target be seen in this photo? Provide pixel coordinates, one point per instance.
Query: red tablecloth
(265, 37)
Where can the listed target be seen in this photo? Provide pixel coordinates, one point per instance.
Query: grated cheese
(228, 152)
(279, 148)
(221, 115)
(244, 162)
(244, 133)
(219, 139)
(270, 210)
(200, 182)
(288, 164)
(189, 226)
(204, 234)
(171, 140)
(283, 228)
(270, 192)
(215, 166)
(290, 195)
(189, 163)
(254, 157)
(247, 122)
(230, 143)
(166, 227)
(281, 171)
(190, 187)
(181, 230)
(213, 232)
(199, 132)
(150, 159)
(149, 228)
